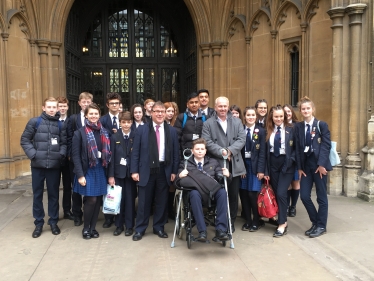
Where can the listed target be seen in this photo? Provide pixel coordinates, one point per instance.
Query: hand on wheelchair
(183, 174)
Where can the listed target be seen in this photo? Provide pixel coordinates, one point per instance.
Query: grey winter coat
(37, 142)
(234, 140)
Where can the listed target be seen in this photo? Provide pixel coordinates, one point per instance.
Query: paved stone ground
(345, 253)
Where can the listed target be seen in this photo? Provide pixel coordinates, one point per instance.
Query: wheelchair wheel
(189, 240)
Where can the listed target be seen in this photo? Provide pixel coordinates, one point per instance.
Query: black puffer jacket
(37, 143)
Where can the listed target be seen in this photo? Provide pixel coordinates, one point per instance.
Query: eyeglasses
(114, 103)
(158, 111)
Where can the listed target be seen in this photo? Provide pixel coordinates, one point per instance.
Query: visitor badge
(247, 154)
(123, 162)
(99, 154)
(54, 141)
(306, 149)
(195, 136)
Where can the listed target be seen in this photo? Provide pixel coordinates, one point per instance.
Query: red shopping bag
(267, 205)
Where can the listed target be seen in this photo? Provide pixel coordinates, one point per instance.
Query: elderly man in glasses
(154, 165)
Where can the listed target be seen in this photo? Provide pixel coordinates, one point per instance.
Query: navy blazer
(289, 163)
(74, 124)
(140, 155)
(119, 150)
(107, 123)
(321, 144)
(258, 151)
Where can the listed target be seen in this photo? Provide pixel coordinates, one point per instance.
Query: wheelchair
(184, 222)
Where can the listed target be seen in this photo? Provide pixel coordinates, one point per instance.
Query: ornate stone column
(5, 151)
(353, 160)
(273, 49)
(335, 179)
(43, 53)
(55, 46)
(205, 49)
(216, 53)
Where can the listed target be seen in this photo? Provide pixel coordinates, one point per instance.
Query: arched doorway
(137, 48)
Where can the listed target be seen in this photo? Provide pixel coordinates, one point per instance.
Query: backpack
(266, 203)
(40, 121)
(185, 119)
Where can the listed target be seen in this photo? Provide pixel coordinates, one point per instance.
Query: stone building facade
(279, 50)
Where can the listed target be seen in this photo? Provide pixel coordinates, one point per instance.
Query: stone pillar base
(367, 187)
(352, 173)
(335, 181)
(365, 196)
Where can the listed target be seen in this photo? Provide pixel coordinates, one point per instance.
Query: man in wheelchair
(205, 176)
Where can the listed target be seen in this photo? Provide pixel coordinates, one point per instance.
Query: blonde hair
(86, 96)
(50, 99)
(306, 100)
(216, 101)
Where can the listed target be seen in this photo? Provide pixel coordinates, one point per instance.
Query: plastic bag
(112, 200)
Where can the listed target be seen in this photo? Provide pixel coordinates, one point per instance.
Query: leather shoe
(254, 228)
(273, 222)
(279, 233)
(202, 236)
(161, 233)
(68, 215)
(55, 229)
(95, 234)
(292, 211)
(246, 227)
(137, 236)
(318, 231)
(221, 235)
(129, 232)
(310, 230)
(86, 234)
(78, 221)
(37, 231)
(118, 231)
(107, 223)
(232, 228)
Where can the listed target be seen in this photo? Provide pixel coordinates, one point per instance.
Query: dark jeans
(52, 178)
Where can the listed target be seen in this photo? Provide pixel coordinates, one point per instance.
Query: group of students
(140, 150)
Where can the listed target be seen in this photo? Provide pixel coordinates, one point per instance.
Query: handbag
(112, 200)
(333, 156)
(267, 205)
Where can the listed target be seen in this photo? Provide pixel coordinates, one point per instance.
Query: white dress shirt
(283, 139)
(111, 118)
(82, 118)
(223, 124)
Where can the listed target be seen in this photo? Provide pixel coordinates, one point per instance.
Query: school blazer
(258, 151)
(140, 155)
(119, 150)
(289, 163)
(106, 121)
(74, 124)
(321, 144)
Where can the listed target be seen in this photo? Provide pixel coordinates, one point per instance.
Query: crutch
(187, 153)
(227, 194)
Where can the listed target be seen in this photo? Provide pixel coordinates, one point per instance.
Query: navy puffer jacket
(38, 143)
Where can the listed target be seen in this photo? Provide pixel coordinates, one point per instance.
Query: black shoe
(292, 211)
(137, 236)
(68, 215)
(261, 223)
(310, 230)
(107, 223)
(202, 236)
(254, 228)
(95, 234)
(279, 233)
(37, 231)
(288, 211)
(246, 227)
(160, 233)
(232, 228)
(118, 231)
(78, 221)
(86, 234)
(221, 235)
(129, 232)
(273, 222)
(55, 229)
(318, 231)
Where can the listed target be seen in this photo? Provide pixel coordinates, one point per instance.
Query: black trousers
(233, 193)
(249, 206)
(76, 197)
(67, 184)
(280, 182)
(127, 214)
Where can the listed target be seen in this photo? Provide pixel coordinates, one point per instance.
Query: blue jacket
(258, 151)
(140, 155)
(321, 144)
(106, 121)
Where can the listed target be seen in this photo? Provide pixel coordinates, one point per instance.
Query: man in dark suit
(76, 121)
(119, 173)
(204, 103)
(111, 123)
(313, 146)
(154, 170)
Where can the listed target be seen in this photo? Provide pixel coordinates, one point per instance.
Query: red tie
(158, 137)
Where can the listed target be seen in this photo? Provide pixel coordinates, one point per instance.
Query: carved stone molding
(273, 33)
(303, 26)
(55, 46)
(355, 12)
(312, 11)
(216, 48)
(205, 47)
(43, 46)
(5, 36)
(248, 39)
(336, 15)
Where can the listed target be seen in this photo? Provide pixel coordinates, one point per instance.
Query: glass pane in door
(119, 83)
(145, 84)
(170, 85)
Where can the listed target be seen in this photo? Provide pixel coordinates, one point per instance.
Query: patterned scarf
(92, 146)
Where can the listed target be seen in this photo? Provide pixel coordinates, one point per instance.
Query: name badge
(123, 162)
(99, 154)
(247, 154)
(195, 136)
(306, 149)
(54, 141)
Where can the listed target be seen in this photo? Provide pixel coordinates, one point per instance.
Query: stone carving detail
(24, 28)
(282, 18)
(232, 13)
(312, 9)
(232, 31)
(255, 24)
